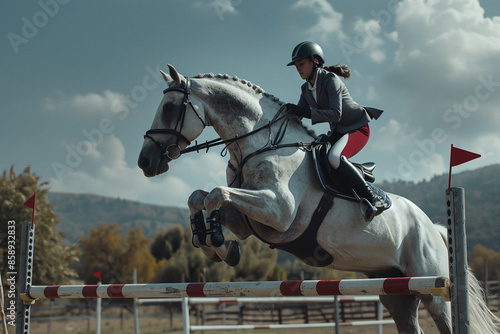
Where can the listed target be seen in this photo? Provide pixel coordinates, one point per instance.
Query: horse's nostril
(143, 163)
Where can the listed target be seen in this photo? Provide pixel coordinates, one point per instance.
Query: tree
(115, 257)
(257, 261)
(482, 256)
(188, 264)
(52, 260)
(185, 262)
(167, 243)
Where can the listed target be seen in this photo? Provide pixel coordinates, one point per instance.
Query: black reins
(215, 142)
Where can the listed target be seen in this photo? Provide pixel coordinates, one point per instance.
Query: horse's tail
(482, 320)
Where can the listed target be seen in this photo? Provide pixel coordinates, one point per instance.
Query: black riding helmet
(307, 50)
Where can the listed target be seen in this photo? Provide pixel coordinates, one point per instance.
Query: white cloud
(414, 165)
(106, 173)
(221, 7)
(85, 104)
(446, 69)
(393, 36)
(328, 22)
(427, 168)
(394, 136)
(377, 56)
(367, 38)
(372, 93)
(93, 102)
(446, 41)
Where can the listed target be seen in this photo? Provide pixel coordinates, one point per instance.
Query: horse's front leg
(229, 251)
(195, 204)
(270, 207)
(196, 207)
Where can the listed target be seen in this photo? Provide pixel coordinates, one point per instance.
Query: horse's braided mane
(256, 89)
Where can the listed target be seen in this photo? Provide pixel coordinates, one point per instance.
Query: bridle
(272, 144)
(173, 151)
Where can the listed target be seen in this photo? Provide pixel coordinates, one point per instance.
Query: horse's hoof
(215, 231)
(233, 253)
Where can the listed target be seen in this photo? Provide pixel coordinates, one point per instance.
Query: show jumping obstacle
(390, 286)
(387, 286)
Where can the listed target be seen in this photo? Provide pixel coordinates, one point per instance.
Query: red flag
(459, 156)
(98, 275)
(30, 203)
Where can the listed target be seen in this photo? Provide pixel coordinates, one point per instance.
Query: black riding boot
(353, 179)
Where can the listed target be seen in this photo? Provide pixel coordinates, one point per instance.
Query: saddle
(327, 175)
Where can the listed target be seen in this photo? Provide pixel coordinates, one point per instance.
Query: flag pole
(31, 203)
(449, 173)
(33, 216)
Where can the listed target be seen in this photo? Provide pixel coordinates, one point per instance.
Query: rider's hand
(298, 110)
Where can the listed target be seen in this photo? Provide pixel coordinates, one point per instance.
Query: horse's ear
(166, 77)
(176, 76)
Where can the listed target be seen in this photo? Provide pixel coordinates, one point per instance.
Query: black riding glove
(298, 110)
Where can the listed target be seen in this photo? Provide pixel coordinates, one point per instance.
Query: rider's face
(304, 67)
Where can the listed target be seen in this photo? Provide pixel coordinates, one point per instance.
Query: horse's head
(178, 121)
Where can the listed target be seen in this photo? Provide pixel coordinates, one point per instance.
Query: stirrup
(368, 210)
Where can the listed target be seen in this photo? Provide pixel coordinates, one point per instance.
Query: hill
(482, 202)
(79, 213)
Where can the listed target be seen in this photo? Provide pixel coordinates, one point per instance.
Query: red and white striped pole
(383, 286)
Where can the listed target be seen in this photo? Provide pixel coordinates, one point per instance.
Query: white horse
(273, 193)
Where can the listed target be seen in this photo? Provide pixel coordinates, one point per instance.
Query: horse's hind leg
(440, 311)
(404, 311)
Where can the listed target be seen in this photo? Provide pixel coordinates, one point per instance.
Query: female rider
(325, 98)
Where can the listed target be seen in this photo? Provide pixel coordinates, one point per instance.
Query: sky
(80, 82)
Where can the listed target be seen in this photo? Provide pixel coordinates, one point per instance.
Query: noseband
(173, 151)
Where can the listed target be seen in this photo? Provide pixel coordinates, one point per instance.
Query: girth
(306, 246)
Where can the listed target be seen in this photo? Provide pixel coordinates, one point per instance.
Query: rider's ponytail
(342, 70)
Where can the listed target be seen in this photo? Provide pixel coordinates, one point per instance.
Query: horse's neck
(235, 111)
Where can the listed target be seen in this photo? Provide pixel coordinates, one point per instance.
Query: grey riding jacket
(334, 104)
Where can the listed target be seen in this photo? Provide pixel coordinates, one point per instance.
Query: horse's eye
(168, 107)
